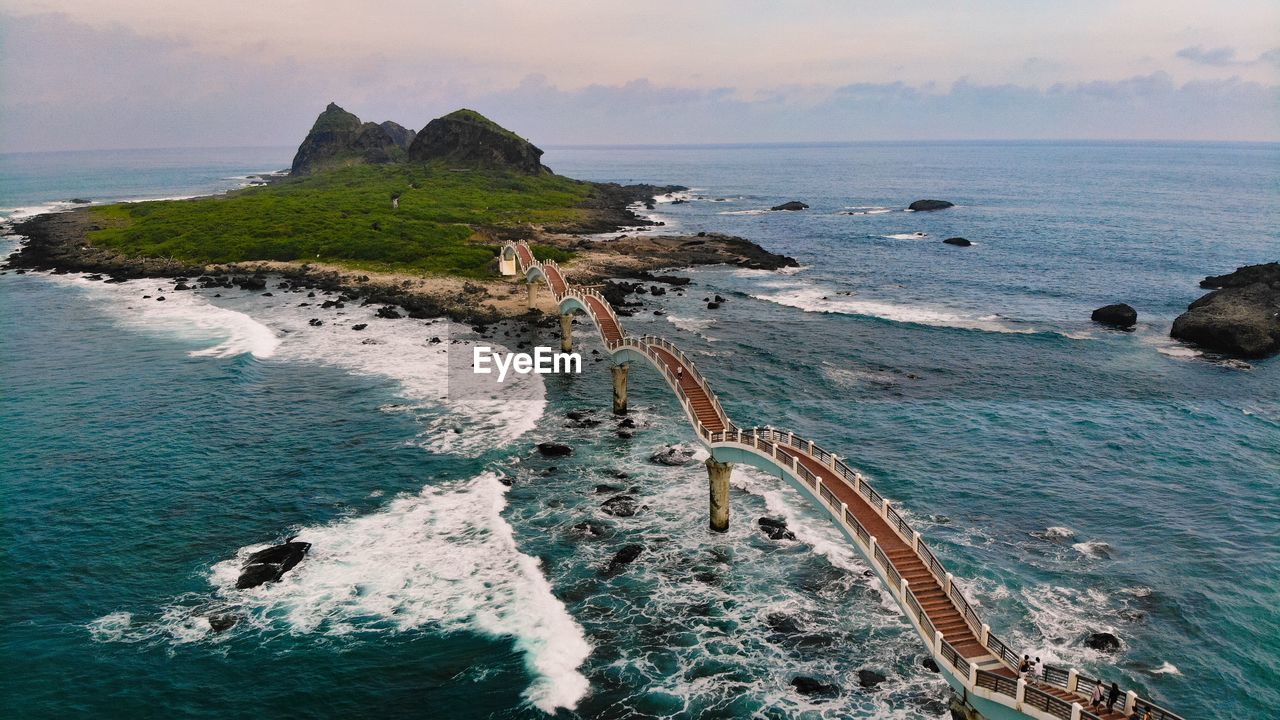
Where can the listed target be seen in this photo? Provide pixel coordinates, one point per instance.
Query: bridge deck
(942, 611)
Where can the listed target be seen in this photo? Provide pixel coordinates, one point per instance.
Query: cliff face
(465, 138)
(338, 137)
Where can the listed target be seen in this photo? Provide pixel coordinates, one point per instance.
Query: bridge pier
(619, 388)
(566, 332)
(718, 479)
(532, 287)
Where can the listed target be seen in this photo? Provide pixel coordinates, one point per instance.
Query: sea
(1076, 479)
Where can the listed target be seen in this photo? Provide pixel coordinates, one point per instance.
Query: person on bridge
(1112, 695)
(1024, 667)
(680, 374)
(1096, 699)
(1039, 670)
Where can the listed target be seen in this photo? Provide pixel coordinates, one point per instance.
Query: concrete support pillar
(1073, 679)
(532, 287)
(566, 332)
(1021, 694)
(619, 388)
(718, 478)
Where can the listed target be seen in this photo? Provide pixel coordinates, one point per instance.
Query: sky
(106, 74)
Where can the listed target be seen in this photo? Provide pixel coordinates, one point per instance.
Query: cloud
(1225, 56)
(72, 86)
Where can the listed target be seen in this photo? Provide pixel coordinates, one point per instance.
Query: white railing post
(1021, 694)
(902, 590)
(884, 508)
(871, 549)
(1073, 680)
(937, 643)
(1075, 711)
(1130, 702)
(985, 637)
(973, 674)
(915, 540)
(947, 589)
(844, 509)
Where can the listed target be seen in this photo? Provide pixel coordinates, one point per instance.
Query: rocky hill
(465, 138)
(339, 138)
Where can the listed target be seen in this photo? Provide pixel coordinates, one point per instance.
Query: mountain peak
(466, 138)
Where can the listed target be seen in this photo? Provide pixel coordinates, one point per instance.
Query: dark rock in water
(1102, 642)
(79, 201)
(1119, 315)
(810, 686)
(388, 313)
(627, 423)
(603, 488)
(1240, 318)
(181, 286)
(920, 205)
(222, 623)
(870, 678)
(957, 241)
(552, 449)
(623, 558)
(467, 139)
(315, 322)
(775, 529)
(269, 565)
(672, 455)
(160, 299)
(783, 623)
(621, 505)
(718, 299)
(713, 305)
(359, 326)
(591, 529)
(792, 206)
(625, 434)
(930, 664)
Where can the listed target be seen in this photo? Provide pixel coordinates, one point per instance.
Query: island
(381, 212)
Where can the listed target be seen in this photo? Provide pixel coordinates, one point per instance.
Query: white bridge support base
(533, 287)
(619, 388)
(566, 332)
(718, 478)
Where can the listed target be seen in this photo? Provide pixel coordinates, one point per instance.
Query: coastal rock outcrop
(957, 241)
(339, 137)
(811, 686)
(870, 678)
(791, 206)
(1102, 642)
(672, 455)
(776, 529)
(554, 449)
(623, 558)
(925, 205)
(1240, 318)
(465, 138)
(270, 564)
(1118, 315)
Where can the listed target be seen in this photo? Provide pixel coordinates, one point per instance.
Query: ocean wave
(26, 211)
(755, 211)
(816, 299)
(475, 418)
(1055, 532)
(442, 559)
(906, 236)
(866, 210)
(1094, 549)
(1167, 668)
(693, 325)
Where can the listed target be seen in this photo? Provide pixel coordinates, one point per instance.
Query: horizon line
(728, 145)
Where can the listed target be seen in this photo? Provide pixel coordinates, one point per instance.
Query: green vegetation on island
(345, 216)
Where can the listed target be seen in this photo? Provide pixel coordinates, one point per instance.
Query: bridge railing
(768, 440)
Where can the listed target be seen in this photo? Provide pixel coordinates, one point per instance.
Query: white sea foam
(1094, 549)
(906, 236)
(26, 211)
(476, 417)
(816, 299)
(866, 210)
(1055, 532)
(692, 325)
(754, 211)
(1167, 668)
(444, 558)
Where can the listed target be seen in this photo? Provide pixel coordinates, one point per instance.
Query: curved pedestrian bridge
(975, 662)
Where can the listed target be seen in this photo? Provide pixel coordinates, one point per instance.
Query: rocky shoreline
(58, 242)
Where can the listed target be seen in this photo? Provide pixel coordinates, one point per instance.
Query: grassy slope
(344, 217)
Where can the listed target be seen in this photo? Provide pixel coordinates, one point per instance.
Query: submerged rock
(623, 558)
(870, 678)
(957, 241)
(271, 564)
(1102, 642)
(553, 449)
(792, 206)
(810, 686)
(1240, 318)
(621, 505)
(925, 205)
(672, 455)
(775, 529)
(222, 623)
(1119, 315)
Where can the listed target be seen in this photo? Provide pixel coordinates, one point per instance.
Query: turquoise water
(147, 444)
